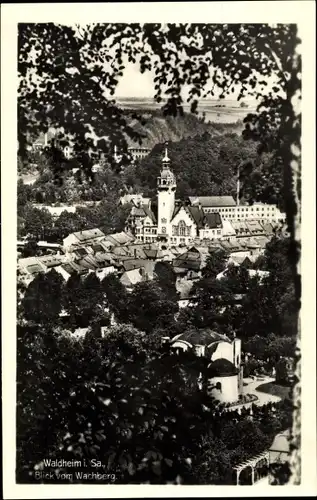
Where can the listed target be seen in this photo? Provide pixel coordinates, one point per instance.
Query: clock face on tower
(163, 229)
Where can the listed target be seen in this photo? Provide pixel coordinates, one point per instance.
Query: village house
(85, 237)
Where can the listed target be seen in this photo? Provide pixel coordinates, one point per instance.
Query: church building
(170, 220)
(223, 376)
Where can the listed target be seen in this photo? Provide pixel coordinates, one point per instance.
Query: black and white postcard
(158, 220)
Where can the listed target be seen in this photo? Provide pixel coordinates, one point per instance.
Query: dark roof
(85, 263)
(80, 251)
(35, 268)
(97, 248)
(192, 259)
(143, 211)
(180, 270)
(186, 262)
(213, 220)
(72, 267)
(130, 264)
(149, 213)
(151, 254)
(221, 367)
(201, 337)
(119, 238)
(197, 214)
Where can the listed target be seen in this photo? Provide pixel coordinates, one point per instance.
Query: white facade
(183, 228)
(138, 153)
(70, 240)
(211, 234)
(224, 389)
(146, 230)
(166, 187)
(258, 211)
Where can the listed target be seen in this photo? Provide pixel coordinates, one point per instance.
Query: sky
(133, 83)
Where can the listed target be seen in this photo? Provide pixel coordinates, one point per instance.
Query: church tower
(166, 187)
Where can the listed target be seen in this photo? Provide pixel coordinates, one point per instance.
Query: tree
(89, 399)
(215, 264)
(38, 223)
(23, 196)
(66, 224)
(116, 296)
(37, 302)
(166, 278)
(149, 308)
(84, 300)
(30, 248)
(212, 297)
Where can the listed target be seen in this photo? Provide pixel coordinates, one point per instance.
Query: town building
(230, 210)
(86, 237)
(138, 153)
(134, 199)
(169, 220)
(177, 222)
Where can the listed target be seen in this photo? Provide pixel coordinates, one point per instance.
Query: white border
(301, 12)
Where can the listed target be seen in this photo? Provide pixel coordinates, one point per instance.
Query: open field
(217, 111)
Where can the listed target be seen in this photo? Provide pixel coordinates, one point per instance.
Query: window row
(241, 209)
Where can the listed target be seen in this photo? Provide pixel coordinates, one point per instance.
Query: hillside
(204, 164)
(158, 128)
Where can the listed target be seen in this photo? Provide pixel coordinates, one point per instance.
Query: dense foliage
(132, 407)
(249, 305)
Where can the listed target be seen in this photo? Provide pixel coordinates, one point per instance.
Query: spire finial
(166, 158)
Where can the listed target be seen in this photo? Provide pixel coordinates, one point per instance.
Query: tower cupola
(167, 178)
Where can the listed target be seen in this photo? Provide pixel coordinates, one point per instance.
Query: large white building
(231, 211)
(204, 217)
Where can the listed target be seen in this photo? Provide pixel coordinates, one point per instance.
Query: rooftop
(88, 234)
(221, 367)
(121, 238)
(132, 277)
(213, 201)
(201, 337)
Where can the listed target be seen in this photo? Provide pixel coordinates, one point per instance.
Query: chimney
(238, 187)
